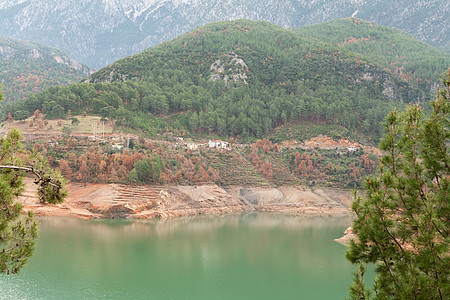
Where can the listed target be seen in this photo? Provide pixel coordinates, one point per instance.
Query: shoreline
(111, 201)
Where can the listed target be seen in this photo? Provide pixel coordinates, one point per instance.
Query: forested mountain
(99, 32)
(233, 78)
(27, 67)
(391, 49)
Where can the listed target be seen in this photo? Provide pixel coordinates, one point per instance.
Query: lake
(252, 256)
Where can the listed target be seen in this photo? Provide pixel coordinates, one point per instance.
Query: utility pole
(94, 128)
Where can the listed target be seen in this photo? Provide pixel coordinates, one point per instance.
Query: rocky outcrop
(147, 202)
(229, 68)
(347, 237)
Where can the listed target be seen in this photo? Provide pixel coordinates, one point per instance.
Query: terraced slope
(235, 169)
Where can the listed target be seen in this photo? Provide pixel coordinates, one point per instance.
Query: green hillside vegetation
(234, 78)
(27, 68)
(391, 49)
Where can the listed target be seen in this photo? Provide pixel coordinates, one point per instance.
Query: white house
(192, 146)
(219, 144)
(214, 144)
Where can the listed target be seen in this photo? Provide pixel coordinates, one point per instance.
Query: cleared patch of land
(42, 126)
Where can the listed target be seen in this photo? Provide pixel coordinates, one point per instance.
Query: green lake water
(254, 256)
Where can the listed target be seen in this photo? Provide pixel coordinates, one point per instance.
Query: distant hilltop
(28, 67)
(98, 32)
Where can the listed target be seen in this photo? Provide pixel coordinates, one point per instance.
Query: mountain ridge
(234, 78)
(391, 49)
(27, 67)
(99, 32)
(156, 117)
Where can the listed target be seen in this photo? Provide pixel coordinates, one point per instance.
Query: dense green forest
(27, 67)
(236, 78)
(417, 63)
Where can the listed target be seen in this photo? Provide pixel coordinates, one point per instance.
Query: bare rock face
(229, 68)
(388, 89)
(145, 202)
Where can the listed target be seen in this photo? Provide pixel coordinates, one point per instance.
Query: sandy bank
(146, 202)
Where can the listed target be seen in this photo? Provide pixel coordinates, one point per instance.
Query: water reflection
(229, 257)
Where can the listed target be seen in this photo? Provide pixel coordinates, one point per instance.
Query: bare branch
(39, 174)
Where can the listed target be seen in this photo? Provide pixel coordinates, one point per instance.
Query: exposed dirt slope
(145, 202)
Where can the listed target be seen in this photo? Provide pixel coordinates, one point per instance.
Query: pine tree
(402, 224)
(18, 233)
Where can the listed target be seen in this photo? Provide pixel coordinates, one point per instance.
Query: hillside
(390, 49)
(107, 156)
(235, 78)
(289, 110)
(238, 81)
(98, 32)
(27, 67)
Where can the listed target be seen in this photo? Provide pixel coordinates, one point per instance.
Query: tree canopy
(29, 67)
(402, 225)
(240, 78)
(417, 63)
(17, 233)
